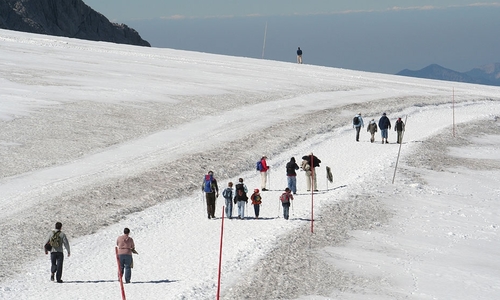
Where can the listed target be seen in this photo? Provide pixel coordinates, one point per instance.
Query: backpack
(207, 184)
(55, 240)
(284, 198)
(355, 121)
(258, 165)
(227, 193)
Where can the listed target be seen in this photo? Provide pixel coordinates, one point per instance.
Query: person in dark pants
(56, 253)
(357, 123)
(399, 128)
(126, 247)
(285, 199)
(211, 190)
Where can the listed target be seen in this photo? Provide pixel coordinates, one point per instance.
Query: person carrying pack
(54, 243)
(285, 199)
(211, 190)
(357, 123)
(227, 193)
(263, 173)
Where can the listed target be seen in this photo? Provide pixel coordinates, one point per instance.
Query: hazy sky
(377, 36)
(124, 10)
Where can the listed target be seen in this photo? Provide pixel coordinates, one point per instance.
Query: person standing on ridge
(57, 239)
(291, 175)
(400, 128)
(211, 190)
(357, 123)
(384, 124)
(299, 56)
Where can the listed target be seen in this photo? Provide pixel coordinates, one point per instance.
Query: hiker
(400, 128)
(384, 124)
(241, 199)
(291, 175)
(299, 56)
(372, 129)
(263, 173)
(357, 123)
(211, 190)
(126, 247)
(310, 170)
(256, 202)
(285, 199)
(227, 193)
(241, 186)
(57, 239)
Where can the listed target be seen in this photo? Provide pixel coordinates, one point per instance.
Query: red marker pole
(220, 254)
(120, 274)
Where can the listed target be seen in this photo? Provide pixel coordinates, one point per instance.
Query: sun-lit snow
(102, 136)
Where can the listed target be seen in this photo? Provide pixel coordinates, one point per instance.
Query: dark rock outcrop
(69, 18)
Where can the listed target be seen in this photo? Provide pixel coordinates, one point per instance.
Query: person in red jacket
(263, 173)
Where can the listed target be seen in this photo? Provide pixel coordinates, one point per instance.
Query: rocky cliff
(69, 18)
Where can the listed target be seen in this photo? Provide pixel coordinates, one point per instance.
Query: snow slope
(102, 136)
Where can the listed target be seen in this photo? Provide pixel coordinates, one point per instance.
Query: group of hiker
(56, 240)
(384, 124)
(238, 195)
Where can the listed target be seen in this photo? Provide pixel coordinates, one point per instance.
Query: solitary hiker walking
(126, 247)
(56, 252)
(211, 190)
(299, 56)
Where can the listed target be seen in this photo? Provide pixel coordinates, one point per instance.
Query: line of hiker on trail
(237, 196)
(384, 124)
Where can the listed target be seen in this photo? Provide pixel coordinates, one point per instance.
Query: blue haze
(385, 42)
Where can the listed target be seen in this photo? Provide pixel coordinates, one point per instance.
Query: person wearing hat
(263, 173)
(384, 124)
(399, 127)
(357, 123)
(372, 129)
(256, 201)
(309, 164)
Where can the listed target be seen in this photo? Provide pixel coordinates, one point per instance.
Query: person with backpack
(384, 124)
(400, 128)
(357, 123)
(299, 56)
(263, 173)
(241, 186)
(54, 244)
(227, 193)
(291, 175)
(256, 202)
(285, 199)
(126, 247)
(372, 129)
(309, 164)
(211, 190)
(241, 199)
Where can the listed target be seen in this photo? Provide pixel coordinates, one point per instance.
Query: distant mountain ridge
(69, 18)
(487, 75)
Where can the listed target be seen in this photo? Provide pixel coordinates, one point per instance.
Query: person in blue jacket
(384, 124)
